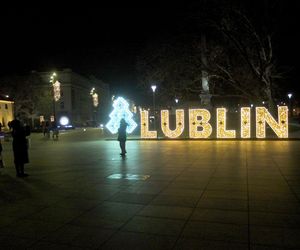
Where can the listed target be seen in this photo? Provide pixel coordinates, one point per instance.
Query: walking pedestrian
(122, 136)
(20, 146)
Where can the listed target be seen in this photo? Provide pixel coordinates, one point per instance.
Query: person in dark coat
(20, 146)
(122, 136)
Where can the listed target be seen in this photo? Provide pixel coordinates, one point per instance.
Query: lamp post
(153, 87)
(290, 103)
(55, 91)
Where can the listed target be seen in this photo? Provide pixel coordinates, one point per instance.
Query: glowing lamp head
(153, 87)
(176, 100)
(290, 95)
(64, 121)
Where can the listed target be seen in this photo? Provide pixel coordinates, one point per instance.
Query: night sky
(106, 41)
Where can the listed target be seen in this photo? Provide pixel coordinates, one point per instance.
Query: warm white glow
(194, 123)
(280, 128)
(221, 125)
(95, 100)
(165, 123)
(290, 95)
(153, 87)
(145, 133)
(56, 90)
(64, 121)
(245, 122)
(42, 118)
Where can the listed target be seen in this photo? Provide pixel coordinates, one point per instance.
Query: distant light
(251, 105)
(290, 95)
(176, 100)
(84, 129)
(64, 121)
(101, 125)
(54, 74)
(153, 87)
(7, 96)
(263, 102)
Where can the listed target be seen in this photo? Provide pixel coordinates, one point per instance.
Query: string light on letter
(165, 124)
(280, 128)
(245, 122)
(145, 133)
(56, 90)
(221, 125)
(194, 123)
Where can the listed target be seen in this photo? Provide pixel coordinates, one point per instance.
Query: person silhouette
(122, 136)
(20, 146)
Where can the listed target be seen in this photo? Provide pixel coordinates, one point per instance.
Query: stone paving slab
(200, 195)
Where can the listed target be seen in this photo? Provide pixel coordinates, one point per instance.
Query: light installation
(202, 123)
(280, 128)
(94, 97)
(64, 121)
(221, 125)
(245, 123)
(165, 125)
(121, 111)
(56, 90)
(145, 133)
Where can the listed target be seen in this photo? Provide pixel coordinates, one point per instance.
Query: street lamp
(56, 92)
(176, 100)
(153, 87)
(290, 103)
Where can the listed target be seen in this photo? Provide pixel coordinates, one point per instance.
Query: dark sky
(106, 41)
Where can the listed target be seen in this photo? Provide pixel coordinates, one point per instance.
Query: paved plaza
(164, 195)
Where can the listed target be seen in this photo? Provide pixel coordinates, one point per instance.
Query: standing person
(46, 129)
(55, 131)
(122, 136)
(20, 146)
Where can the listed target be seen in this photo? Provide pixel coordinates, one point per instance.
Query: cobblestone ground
(164, 195)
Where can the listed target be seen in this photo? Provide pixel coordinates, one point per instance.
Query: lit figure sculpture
(121, 111)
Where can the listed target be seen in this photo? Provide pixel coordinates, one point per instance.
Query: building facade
(76, 100)
(6, 111)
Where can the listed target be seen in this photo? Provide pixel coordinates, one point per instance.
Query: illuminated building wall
(6, 112)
